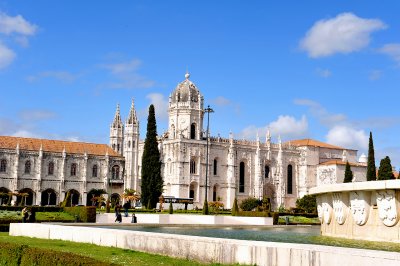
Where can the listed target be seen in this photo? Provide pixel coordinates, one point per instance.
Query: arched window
(215, 166)
(73, 169)
(113, 146)
(27, 167)
(290, 179)
(129, 144)
(3, 166)
(50, 170)
(266, 171)
(94, 171)
(117, 147)
(115, 172)
(193, 131)
(241, 178)
(192, 166)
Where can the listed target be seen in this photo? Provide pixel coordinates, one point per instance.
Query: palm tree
(131, 195)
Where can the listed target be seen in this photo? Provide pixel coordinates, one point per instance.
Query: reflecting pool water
(288, 234)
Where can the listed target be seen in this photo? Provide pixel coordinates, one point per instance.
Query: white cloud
(63, 76)
(348, 137)
(345, 33)
(17, 24)
(375, 74)
(25, 134)
(160, 105)
(392, 50)
(35, 115)
(221, 101)
(126, 75)
(321, 113)
(285, 126)
(6, 56)
(324, 73)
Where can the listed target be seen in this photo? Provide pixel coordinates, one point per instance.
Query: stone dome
(363, 158)
(186, 91)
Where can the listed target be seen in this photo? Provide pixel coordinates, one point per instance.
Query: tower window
(215, 166)
(266, 171)
(129, 144)
(27, 167)
(117, 147)
(94, 171)
(3, 166)
(73, 169)
(241, 178)
(193, 131)
(192, 166)
(113, 146)
(290, 179)
(50, 170)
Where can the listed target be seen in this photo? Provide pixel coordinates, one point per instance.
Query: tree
(308, 203)
(371, 168)
(171, 208)
(385, 169)
(348, 174)
(205, 207)
(235, 208)
(152, 182)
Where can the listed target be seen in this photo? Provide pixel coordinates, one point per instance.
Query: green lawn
(40, 216)
(106, 254)
(299, 220)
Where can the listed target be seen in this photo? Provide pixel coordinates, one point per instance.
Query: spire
(117, 118)
(268, 136)
(132, 118)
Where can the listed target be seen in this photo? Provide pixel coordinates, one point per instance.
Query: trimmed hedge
(15, 254)
(36, 208)
(308, 215)
(274, 215)
(82, 213)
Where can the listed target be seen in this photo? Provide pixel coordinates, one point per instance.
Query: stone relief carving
(327, 176)
(340, 207)
(319, 210)
(360, 206)
(327, 210)
(387, 207)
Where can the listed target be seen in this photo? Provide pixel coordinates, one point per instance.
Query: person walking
(118, 216)
(126, 207)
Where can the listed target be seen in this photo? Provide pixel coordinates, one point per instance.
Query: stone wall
(360, 210)
(208, 250)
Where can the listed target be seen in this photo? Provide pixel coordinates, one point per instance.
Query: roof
(340, 162)
(315, 143)
(31, 144)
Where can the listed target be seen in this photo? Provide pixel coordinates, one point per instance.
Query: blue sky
(315, 69)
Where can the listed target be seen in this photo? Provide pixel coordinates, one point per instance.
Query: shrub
(16, 254)
(249, 204)
(308, 203)
(83, 213)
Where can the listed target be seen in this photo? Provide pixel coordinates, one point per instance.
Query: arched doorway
(74, 196)
(92, 195)
(193, 191)
(215, 192)
(25, 197)
(49, 197)
(5, 197)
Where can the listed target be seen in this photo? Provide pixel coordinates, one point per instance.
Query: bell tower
(117, 133)
(185, 111)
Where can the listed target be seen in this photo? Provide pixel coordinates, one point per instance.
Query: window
(50, 170)
(241, 178)
(3, 166)
(192, 166)
(94, 171)
(193, 131)
(215, 166)
(115, 172)
(27, 167)
(129, 144)
(290, 179)
(113, 146)
(266, 171)
(73, 169)
(117, 147)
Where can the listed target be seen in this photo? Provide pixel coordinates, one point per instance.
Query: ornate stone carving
(387, 207)
(360, 206)
(327, 209)
(319, 210)
(340, 207)
(326, 176)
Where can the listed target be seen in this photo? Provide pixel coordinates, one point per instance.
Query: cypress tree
(235, 208)
(205, 207)
(348, 174)
(152, 182)
(371, 168)
(385, 169)
(171, 208)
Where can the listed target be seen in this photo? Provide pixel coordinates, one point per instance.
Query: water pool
(288, 234)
